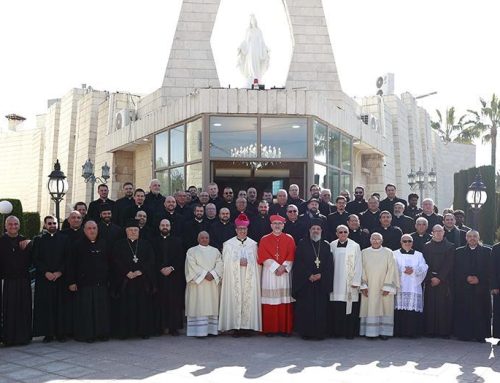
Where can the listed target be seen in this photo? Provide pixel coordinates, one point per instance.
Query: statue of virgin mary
(253, 54)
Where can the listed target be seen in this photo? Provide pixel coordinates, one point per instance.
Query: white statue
(253, 54)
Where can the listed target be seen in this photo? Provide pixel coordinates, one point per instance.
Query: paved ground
(259, 359)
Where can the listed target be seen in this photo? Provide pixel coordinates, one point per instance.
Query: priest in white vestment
(408, 317)
(344, 299)
(240, 304)
(379, 284)
(204, 270)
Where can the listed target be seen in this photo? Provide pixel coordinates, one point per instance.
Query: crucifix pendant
(317, 262)
(276, 256)
(135, 259)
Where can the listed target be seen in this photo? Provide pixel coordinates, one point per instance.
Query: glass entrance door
(241, 176)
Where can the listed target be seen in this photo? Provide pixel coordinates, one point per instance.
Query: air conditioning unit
(370, 120)
(123, 118)
(385, 84)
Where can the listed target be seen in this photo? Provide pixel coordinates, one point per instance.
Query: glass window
(346, 153)
(177, 145)
(162, 176)
(345, 182)
(333, 182)
(177, 179)
(193, 140)
(284, 137)
(233, 137)
(334, 147)
(193, 175)
(320, 175)
(161, 150)
(320, 142)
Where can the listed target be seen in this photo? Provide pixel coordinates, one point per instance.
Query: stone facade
(391, 134)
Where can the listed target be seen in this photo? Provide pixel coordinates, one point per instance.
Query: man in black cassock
(420, 235)
(108, 230)
(145, 232)
(169, 212)
(412, 210)
(222, 230)
(388, 202)
(312, 283)
(339, 217)
(15, 260)
(293, 225)
(358, 204)
(154, 201)
(49, 258)
(429, 214)
(452, 233)
(399, 219)
(391, 234)
(193, 226)
(438, 284)
(139, 197)
(170, 260)
(134, 263)
(95, 206)
(259, 224)
(370, 217)
(472, 290)
(122, 204)
(88, 278)
(361, 237)
(495, 289)
(73, 233)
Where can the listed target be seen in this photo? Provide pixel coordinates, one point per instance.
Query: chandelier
(250, 151)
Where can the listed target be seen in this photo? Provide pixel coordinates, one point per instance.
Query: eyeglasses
(406, 241)
(51, 224)
(358, 193)
(228, 192)
(292, 211)
(342, 232)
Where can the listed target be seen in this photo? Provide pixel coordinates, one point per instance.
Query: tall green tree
(485, 124)
(449, 129)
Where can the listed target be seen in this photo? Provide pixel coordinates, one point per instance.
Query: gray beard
(315, 237)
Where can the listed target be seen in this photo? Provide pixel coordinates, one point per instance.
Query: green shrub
(30, 224)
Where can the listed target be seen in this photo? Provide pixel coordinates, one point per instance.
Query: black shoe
(383, 337)
(48, 339)
(61, 339)
(349, 337)
(269, 335)
(481, 340)
(90, 340)
(285, 335)
(145, 337)
(305, 337)
(371, 337)
(174, 332)
(103, 338)
(236, 334)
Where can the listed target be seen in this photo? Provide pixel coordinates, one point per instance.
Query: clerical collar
(403, 251)
(242, 240)
(473, 248)
(354, 231)
(397, 216)
(165, 236)
(92, 241)
(342, 244)
(52, 234)
(198, 220)
(139, 206)
(132, 240)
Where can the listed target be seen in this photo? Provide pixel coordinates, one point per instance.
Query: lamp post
(5, 208)
(476, 197)
(57, 186)
(421, 180)
(89, 176)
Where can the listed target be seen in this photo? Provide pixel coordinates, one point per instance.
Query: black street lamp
(57, 186)
(476, 197)
(89, 176)
(421, 180)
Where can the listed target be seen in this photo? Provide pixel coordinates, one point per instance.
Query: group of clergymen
(137, 266)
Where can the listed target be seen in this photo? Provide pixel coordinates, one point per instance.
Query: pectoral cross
(276, 256)
(317, 262)
(135, 259)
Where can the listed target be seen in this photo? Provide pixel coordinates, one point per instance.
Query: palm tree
(485, 124)
(447, 128)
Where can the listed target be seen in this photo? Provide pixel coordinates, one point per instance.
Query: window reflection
(193, 140)
(177, 145)
(233, 137)
(161, 150)
(346, 182)
(333, 182)
(287, 136)
(177, 179)
(193, 175)
(334, 148)
(162, 176)
(320, 175)
(346, 153)
(320, 141)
